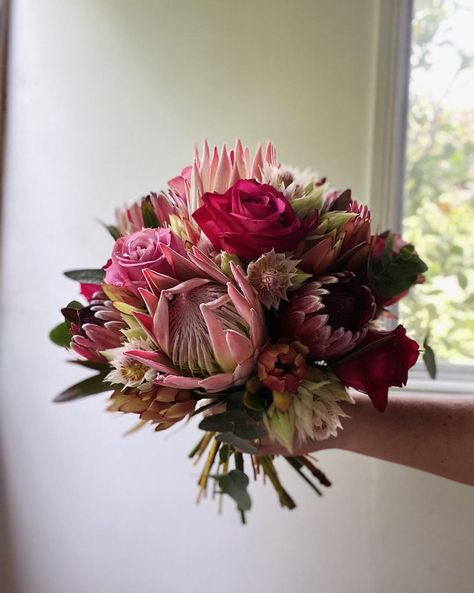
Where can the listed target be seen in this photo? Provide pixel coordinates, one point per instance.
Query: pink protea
(342, 239)
(330, 315)
(207, 330)
(96, 328)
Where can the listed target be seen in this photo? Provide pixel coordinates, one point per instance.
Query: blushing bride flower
(127, 371)
(313, 412)
(272, 275)
(207, 330)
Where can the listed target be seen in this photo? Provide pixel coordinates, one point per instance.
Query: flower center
(133, 370)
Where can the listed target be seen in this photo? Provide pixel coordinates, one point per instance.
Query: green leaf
(60, 335)
(235, 484)
(89, 386)
(250, 430)
(241, 444)
(394, 274)
(113, 230)
(90, 364)
(429, 358)
(224, 422)
(89, 276)
(149, 217)
(70, 313)
(255, 401)
(462, 280)
(224, 453)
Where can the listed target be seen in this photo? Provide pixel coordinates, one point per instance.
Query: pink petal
(155, 360)
(208, 266)
(223, 172)
(146, 322)
(239, 345)
(217, 336)
(183, 268)
(218, 382)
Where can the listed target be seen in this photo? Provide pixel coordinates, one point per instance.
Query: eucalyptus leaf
(250, 430)
(241, 444)
(89, 386)
(89, 276)
(235, 484)
(224, 422)
(60, 335)
(429, 358)
(224, 453)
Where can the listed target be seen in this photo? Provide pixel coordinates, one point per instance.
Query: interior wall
(106, 100)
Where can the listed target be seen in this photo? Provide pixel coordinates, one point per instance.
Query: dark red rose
(380, 361)
(251, 218)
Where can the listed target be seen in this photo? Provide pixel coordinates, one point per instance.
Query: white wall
(106, 99)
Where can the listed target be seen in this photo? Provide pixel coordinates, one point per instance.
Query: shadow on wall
(8, 582)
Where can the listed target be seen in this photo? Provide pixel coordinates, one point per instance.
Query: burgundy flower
(329, 315)
(137, 252)
(96, 327)
(251, 218)
(380, 361)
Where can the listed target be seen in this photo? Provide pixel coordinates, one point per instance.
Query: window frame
(388, 159)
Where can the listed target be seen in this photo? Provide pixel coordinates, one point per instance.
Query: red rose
(251, 218)
(380, 361)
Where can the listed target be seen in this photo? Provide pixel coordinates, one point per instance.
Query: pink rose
(136, 252)
(251, 218)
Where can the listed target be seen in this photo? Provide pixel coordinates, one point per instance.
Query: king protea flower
(330, 315)
(207, 329)
(96, 327)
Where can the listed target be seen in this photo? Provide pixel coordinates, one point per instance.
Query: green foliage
(88, 276)
(149, 217)
(439, 216)
(395, 273)
(235, 484)
(60, 334)
(89, 386)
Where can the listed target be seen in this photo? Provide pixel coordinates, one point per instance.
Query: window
(429, 143)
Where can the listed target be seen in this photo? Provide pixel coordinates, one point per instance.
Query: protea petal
(239, 345)
(217, 335)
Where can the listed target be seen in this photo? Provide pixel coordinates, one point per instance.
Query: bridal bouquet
(251, 293)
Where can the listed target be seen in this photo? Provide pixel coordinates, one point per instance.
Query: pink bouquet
(252, 292)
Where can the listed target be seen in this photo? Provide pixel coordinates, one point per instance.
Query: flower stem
(297, 467)
(207, 468)
(269, 470)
